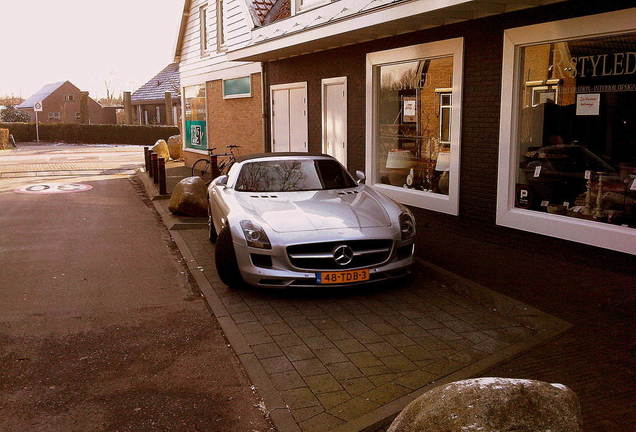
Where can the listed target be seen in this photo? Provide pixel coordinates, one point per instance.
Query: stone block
(189, 197)
(175, 147)
(492, 404)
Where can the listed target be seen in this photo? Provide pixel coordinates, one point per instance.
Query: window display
(414, 124)
(195, 117)
(576, 129)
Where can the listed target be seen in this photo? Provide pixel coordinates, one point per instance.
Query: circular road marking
(53, 188)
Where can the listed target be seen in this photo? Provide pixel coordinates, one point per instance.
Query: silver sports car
(298, 219)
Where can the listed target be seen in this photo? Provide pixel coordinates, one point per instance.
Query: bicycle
(209, 169)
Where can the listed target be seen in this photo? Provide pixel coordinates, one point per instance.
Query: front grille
(319, 256)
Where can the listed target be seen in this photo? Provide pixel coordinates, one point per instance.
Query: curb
(278, 411)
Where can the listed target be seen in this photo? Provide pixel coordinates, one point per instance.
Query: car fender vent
(348, 193)
(263, 196)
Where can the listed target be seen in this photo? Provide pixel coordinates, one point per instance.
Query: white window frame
(238, 95)
(220, 35)
(203, 30)
(324, 83)
(441, 93)
(158, 114)
(594, 233)
(298, 7)
(427, 200)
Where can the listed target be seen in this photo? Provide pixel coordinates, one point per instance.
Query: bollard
(155, 177)
(147, 158)
(214, 167)
(161, 162)
(150, 173)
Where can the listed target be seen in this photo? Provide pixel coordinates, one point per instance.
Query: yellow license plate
(343, 277)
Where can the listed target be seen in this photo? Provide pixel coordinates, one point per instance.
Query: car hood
(315, 210)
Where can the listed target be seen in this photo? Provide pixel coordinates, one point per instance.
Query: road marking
(53, 188)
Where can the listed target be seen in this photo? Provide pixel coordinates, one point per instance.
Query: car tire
(225, 259)
(212, 236)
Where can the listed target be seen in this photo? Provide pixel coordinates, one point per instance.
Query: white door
(334, 118)
(289, 117)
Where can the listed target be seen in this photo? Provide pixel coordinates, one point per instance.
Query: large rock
(161, 148)
(189, 197)
(175, 147)
(492, 405)
(4, 139)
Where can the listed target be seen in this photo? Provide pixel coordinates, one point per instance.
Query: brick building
(61, 103)
(158, 101)
(222, 99)
(508, 127)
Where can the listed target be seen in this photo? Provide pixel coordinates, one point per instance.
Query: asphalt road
(100, 327)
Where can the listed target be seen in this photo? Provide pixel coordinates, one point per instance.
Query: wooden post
(128, 108)
(162, 175)
(168, 102)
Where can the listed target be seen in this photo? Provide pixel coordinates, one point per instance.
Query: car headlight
(407, 226)
(255, 235)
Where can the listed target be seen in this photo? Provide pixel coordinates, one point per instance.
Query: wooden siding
(238, 25)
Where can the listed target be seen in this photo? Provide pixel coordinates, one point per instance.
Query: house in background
(158, 101)
(222, 99)
(61, 103)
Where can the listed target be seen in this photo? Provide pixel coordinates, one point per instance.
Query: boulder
(492, 405)
(4, 139)
(161, 148)
(175, 147)
(189, 197)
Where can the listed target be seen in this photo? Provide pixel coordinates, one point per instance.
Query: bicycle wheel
(201, 168)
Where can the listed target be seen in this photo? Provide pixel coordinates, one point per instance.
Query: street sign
(37, 107)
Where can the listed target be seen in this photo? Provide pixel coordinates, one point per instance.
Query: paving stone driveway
(336, 356)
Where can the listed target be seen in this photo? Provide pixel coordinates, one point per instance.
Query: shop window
(237, 87)
(195, 117)
(414, 141)
(570, 156)
(54, 115)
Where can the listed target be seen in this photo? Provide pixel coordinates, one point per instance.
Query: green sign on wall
(196, 134)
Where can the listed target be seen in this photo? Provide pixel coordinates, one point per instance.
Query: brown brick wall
(237, 121)
(462, 243)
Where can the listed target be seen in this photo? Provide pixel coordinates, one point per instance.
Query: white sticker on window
(545, 203)
(537, 171)
(588, 174)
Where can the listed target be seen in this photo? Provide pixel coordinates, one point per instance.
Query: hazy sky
(88, 42)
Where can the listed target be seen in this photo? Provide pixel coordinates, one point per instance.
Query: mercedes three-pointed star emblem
(342, 255)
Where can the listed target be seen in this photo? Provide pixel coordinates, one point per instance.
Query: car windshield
(293, 176)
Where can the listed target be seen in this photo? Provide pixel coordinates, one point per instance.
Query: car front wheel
(225, 259)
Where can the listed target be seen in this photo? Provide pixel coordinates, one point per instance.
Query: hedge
(91, 134)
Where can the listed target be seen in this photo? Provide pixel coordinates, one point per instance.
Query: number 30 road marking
(53, 188)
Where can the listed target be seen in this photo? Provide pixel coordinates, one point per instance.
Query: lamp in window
(443, 165)
(398, 162)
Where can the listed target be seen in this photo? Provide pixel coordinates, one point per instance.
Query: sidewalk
(350, 360)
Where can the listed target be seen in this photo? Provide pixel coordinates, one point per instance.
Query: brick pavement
(339, 358)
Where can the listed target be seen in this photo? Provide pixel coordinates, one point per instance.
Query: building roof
(41, 94)
(267, 11)
(165, 81)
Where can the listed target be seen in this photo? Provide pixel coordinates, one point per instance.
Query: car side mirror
(361, 177)
(221, 181)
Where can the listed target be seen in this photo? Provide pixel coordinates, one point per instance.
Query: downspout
(265, 100)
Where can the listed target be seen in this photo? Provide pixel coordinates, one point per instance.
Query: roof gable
(41, 94)
(165, 81)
